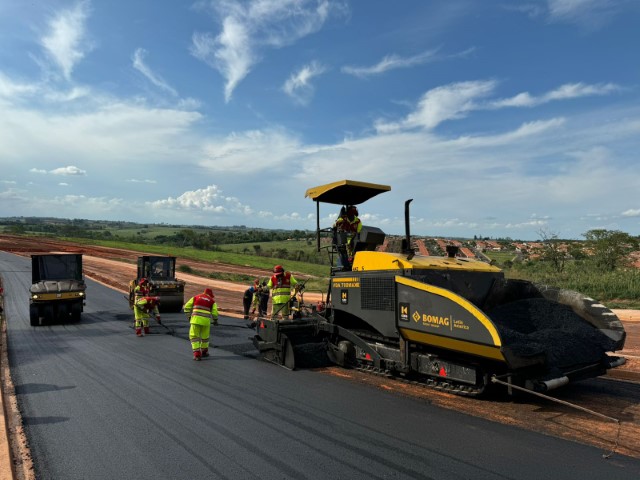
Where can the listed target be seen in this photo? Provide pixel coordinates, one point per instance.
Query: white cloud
(134, 180)
(245, 151)
(83, 203)
(249, 28)
(525, 130)
(457, 100)
(66, 41)
(562, 8)
(298, 86)
(70, 170)
(632, 212)
(12, 89)
(14, 195)
(209, 200)
(390, 62)
(24, 203)
(393, 62)
(142, 67)
(530, 9)
(564, 92)
(444, 103)
(66, 96)
(14, 92)
(590, 15)
(94, 129)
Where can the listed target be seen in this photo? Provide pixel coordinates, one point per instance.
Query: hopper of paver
(551, 336)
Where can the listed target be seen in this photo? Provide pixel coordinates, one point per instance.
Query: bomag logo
(431, 320)
(436, 320)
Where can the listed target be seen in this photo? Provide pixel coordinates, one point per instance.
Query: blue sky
(498, 118)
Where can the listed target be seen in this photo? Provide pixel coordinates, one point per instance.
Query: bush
(185, 269)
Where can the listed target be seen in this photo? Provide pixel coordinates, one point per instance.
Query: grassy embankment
(227, 255)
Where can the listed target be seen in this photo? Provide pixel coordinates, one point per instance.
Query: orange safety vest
(281, 287)
(203, 309)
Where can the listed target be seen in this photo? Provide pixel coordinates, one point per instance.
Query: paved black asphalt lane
(99, 403)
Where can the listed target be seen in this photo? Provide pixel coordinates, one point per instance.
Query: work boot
(146, 330)
(205, 352)
(139, 332)
(197, 355)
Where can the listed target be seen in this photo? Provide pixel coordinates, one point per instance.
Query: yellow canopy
(345, 192)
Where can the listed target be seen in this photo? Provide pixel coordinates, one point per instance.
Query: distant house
(495, 246)
(520, 247)
(422, 249)
(467, 253)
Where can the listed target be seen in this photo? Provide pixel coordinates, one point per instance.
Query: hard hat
(278, 270)
(143, 281)
(208, 291)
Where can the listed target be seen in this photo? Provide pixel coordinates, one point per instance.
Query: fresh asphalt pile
(536, 325)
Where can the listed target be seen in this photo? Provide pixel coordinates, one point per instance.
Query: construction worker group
(202, 309)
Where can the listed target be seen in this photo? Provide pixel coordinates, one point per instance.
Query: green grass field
(231, 258)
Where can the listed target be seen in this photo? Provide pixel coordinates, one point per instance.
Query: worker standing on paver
(350, 223)
(280, 285)
(202, 310)
(143, 307)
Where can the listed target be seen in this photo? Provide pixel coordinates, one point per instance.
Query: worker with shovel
(143, 307)
(202, 310)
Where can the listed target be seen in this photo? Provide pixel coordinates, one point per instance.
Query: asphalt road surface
(100, 403)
